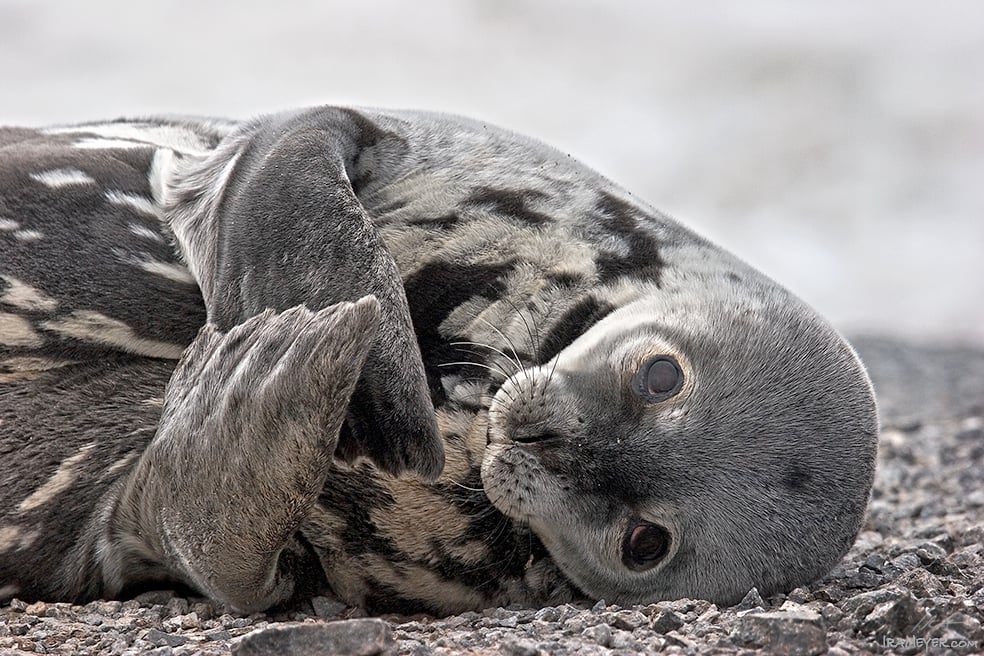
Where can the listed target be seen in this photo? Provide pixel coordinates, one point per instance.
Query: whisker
(475, 364)
(534, 340)
(516, 360)
(488, 346)
(465, 487)
(553, 368)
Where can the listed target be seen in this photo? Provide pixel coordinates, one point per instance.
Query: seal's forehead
(687, 318)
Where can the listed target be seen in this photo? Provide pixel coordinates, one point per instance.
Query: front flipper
(250, 422)
(271, 219)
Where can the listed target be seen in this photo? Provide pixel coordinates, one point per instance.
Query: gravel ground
(914, 582)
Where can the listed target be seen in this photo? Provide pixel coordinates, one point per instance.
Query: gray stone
(623, 640)
(361, 637)
(627, 620)
(921, 583)
(176, 606)
(797, 633)
(965, 625)
(158, 638)
(327, 607)
(92, 619)
(875, 561)
(104, 607)
(907, 561)
(160, 651)
(664, 621)
(575, 625)
(519, 648)
(154, 597)
(413, 648)
(930, 552)
(600, 633)
(863, 603)
(205, 611)
(752, 599)
(799, 595)
(894, 617)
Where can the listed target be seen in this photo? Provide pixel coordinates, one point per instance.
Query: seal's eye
(644, 546)
(658, 379)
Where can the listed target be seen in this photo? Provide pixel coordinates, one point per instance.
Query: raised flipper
(249, 427)
(271, 220)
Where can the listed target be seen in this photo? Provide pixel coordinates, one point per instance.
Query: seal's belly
(86, 264)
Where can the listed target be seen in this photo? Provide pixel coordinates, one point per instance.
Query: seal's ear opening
(271, 220)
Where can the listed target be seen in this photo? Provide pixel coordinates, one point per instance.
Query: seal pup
(359, 297)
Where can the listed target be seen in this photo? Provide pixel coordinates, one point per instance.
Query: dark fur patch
(575, 322)
(643, 260)
(796, 478)
(353, 494)
(433, 293)
(443, 222)
(80, 220)
(95, 405)
(512, 203)
(381, 598)
(369, 135)
(486, 524)
(565, 279)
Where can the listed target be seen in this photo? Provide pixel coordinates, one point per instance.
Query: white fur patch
(91, 326)
(8, 225)
(145, 233)
(165, 136)
(58, 178)
(132, 201)
(109, 144)
(21, 295)
(14, 538)
(175, 272)
(23, 368)
(30, 363)
(122, 462)
(9, 536)
(60, 481)
(159, 174)
(29, 235)
(15, 330)
(205, 180)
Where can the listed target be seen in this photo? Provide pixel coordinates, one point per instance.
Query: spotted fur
(502, 269)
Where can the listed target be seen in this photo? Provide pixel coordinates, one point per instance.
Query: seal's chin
(586, 552)
(505, 477)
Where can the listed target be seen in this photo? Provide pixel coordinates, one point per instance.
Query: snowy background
(837, 146)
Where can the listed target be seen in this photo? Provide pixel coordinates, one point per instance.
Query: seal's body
(621, 409)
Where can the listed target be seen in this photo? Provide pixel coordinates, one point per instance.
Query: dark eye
(658, 379)
(644, 546)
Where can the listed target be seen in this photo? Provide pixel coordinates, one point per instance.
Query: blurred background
(837, 146)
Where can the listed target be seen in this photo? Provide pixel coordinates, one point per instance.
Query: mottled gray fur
(411, 347)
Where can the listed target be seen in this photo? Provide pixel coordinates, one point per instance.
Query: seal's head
(690, 444)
